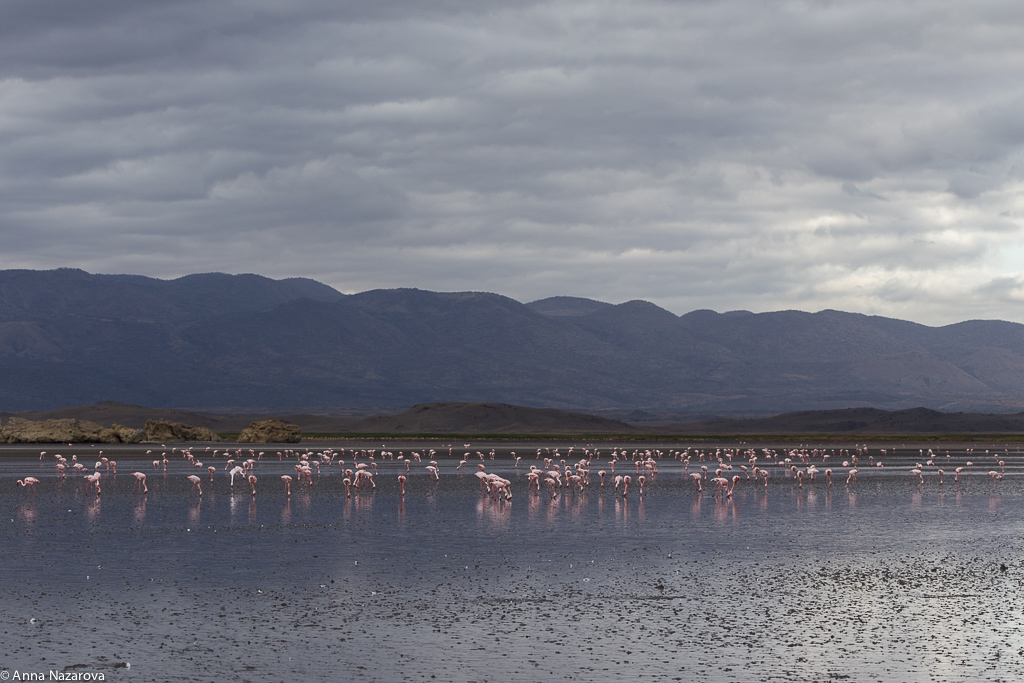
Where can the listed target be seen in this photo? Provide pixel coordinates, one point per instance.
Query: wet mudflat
(884, 579)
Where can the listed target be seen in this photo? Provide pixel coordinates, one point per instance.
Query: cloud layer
(864, 156)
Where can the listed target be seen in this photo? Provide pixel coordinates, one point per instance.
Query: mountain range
(250, 343)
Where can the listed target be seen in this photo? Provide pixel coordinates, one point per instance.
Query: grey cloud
(702, 154)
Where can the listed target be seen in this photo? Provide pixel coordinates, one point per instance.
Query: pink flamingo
(401, 483)
(641, 480)
(348, 486)
(957, 471)
(828, 476)
(140, 478)
(852, 475)
(287, 484)
(625, 484)
(735, 479)
(601, 473)
(29, 483)
(696, 480)
(94, 480)
(940, 473)
(252, 483)
(720, 484)
(917, 473)
(195, 484)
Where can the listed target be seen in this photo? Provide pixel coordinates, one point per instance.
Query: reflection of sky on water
(885, 579)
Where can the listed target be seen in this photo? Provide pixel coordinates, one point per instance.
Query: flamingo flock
(723, 469)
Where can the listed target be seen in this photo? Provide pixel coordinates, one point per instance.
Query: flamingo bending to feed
(29, 483)
(735, 478)
(195, 484)
(140, 478)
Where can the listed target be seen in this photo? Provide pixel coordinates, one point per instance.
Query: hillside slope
(246, 342)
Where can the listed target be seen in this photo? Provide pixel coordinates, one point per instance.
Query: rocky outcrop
(18, 430)
(270, 431)
(127, 434)
(165, 430)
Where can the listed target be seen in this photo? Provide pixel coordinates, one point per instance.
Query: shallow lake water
(883, 579)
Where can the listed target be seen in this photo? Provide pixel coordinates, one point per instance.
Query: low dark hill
(127, 415)
(489, 418)
(857, 421)
(432, 418)
(454, 418)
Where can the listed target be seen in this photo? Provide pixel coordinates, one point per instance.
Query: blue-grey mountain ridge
(216, 341)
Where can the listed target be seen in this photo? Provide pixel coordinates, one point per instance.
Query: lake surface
(884, 579)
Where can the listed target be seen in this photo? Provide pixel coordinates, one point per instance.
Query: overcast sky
(864, 156)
